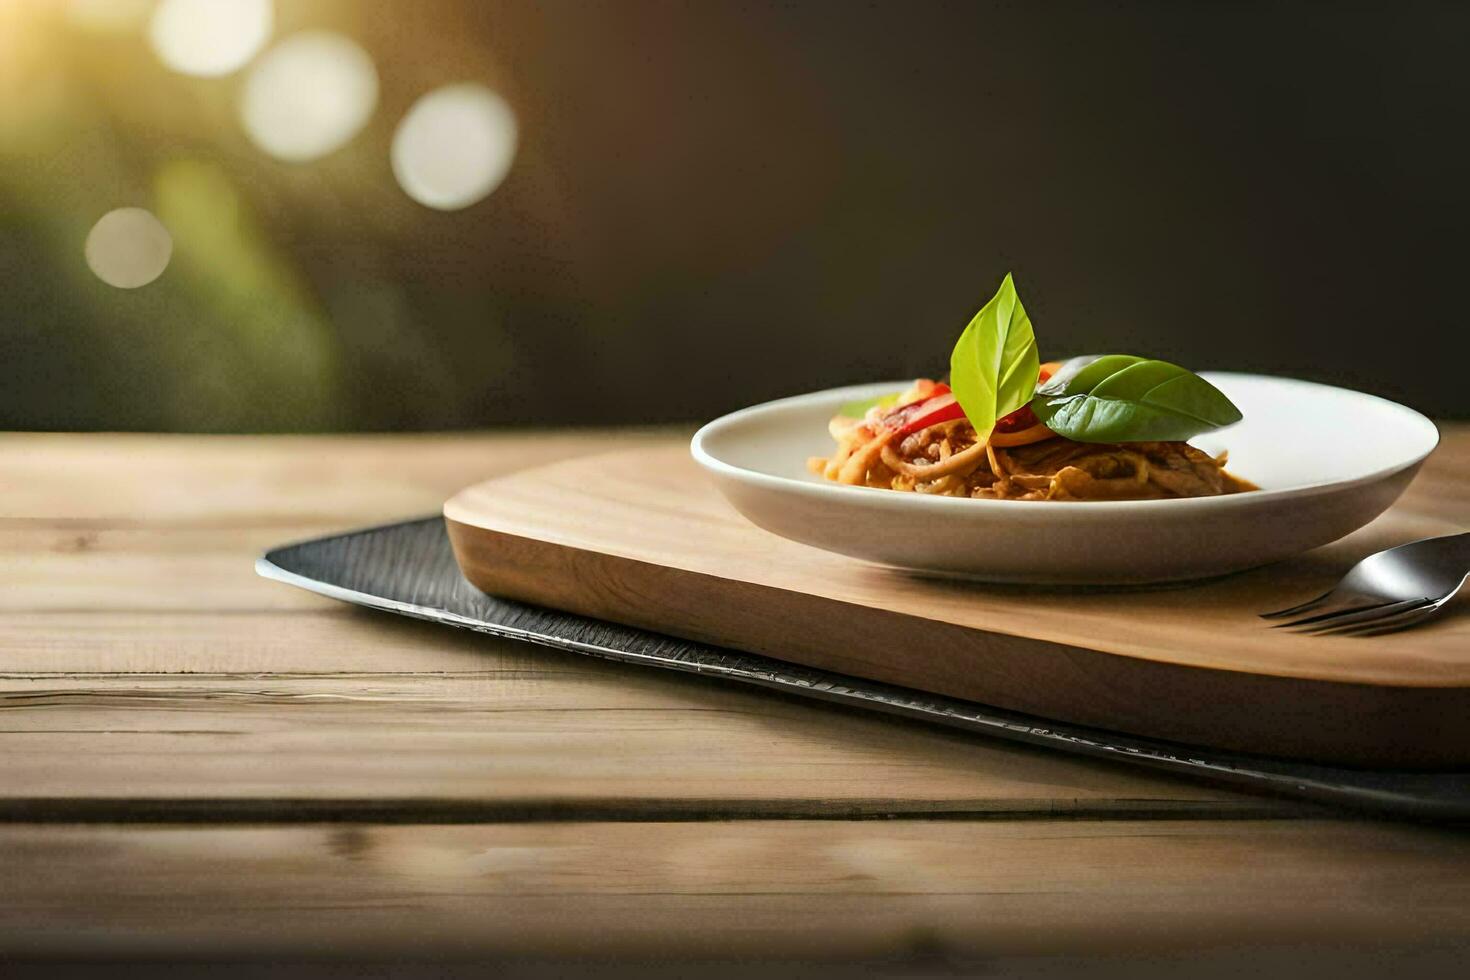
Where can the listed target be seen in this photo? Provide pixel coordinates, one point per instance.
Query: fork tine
(1389, 624)
(1333, 611)
(1300, 607)
(1364, 617)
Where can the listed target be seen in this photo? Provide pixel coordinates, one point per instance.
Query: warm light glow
(454, 146)
(209, 37)
(108, 16)
(128, 248)
(309, 95)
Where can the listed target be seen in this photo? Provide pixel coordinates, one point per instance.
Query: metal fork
(1389, 591)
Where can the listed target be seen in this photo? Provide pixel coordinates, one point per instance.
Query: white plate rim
(714, 464)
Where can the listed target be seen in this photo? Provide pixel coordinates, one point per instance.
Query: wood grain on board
(641, 537)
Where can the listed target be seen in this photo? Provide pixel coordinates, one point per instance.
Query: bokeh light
(309, 95)
(209, 37)
(128, 248)
(454, 146)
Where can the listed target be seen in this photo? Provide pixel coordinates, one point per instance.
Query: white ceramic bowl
(1328, 461)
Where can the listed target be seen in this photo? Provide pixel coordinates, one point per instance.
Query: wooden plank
(331, 639)
(489, 729)
(322, 481)
(640, 537)
(61, 567)
(861, 889)
(93, 522)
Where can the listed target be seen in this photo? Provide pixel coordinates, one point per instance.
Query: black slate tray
(408, 568)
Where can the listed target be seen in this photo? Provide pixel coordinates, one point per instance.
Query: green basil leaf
(1122, 398)
(857, 410)
(994, 365)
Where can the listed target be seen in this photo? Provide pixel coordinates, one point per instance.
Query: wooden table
(194, 761)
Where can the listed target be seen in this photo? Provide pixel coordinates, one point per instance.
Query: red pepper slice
(1021, 418)
(941, 406)
(940, 409)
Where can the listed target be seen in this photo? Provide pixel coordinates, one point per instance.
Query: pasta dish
(921, 444)
(1007, 427)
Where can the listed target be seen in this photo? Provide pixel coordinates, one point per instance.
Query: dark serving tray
(408, 568)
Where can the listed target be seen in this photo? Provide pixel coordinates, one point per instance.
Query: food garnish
(994, 366)
(1122, 398)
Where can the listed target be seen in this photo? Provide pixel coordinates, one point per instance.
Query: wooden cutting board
(640, 537)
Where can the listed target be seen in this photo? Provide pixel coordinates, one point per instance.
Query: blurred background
(302, 215)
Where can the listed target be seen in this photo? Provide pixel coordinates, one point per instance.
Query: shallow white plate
(1328, 461)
